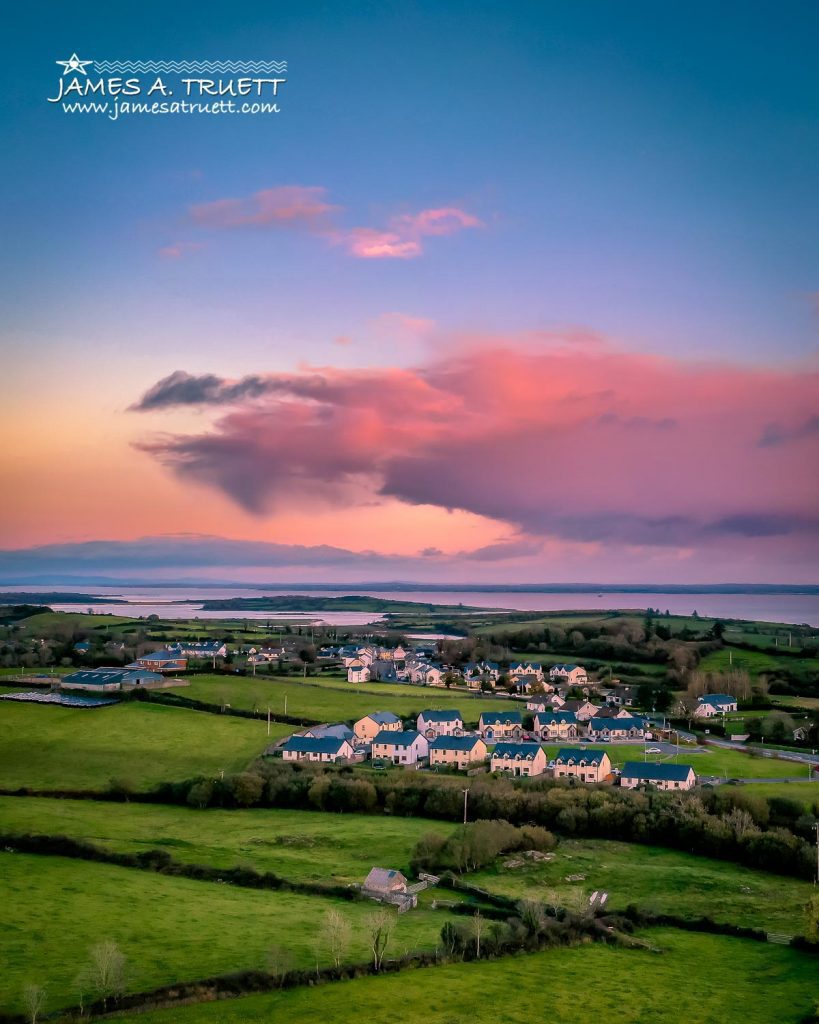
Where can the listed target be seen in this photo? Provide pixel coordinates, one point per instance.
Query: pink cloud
(305, 207)
(284, 206)
(444, 221)
(369, 244)
(176, 250)
(585, 444)
(401, 325)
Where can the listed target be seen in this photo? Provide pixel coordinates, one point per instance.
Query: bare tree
(379, 928)
(279, 963)
(477, 927)
(106, 971)
(34, 998)
(336, 935)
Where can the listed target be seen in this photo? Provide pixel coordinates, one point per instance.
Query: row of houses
(407, 748)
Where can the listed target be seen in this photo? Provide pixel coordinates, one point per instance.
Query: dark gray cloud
(186, 551)
(181, 388)
(775, 434)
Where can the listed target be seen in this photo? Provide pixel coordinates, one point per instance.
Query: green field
(718, 761)
(141, 744)
(700, 979)
(299, 845)
(657, 879)
(755, 662)
(334, 699)
(806, 793)
(171, 929)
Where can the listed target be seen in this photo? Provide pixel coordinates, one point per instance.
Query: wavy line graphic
(177, 66)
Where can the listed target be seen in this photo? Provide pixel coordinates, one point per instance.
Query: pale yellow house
(368, 727)
(579, 763)
(519, 759)
(456, 751)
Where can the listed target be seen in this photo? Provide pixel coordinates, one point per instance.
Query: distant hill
(16, 612)
(349, 603)
(52, 597)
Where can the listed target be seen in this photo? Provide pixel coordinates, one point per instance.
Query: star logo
(74, 64)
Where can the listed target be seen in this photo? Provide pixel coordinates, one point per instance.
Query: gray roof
(383, 717)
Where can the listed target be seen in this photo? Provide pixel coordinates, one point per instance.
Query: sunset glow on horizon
(559, 327)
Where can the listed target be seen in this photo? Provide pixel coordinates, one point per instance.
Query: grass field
(807, 703)
(665, 881)
(754, 662)
(333, 699)
(303, 845)
(700, 979)
(806, 793)
(719, 761)
(171, 929)
(141, 744)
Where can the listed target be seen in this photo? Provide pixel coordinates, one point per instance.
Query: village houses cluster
(440, 739)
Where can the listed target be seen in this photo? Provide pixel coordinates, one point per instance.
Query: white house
(440, 723)
(327, 749)
(358, 671)
(711, 704)
(400, 747)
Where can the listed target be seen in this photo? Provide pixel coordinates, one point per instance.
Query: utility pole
(285, 703)
(466, 798)
(268, 719)
(816, 829)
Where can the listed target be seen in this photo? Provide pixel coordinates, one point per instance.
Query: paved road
(803, 757)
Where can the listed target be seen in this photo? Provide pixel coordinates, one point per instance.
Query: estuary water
(186, 603)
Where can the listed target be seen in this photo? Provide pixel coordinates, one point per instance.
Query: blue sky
(644, 172)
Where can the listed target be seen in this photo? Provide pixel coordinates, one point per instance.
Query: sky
(502, 293)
